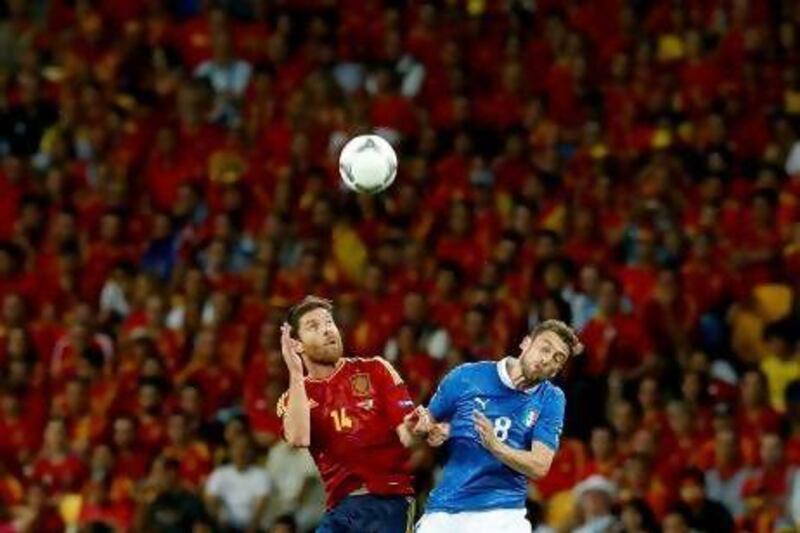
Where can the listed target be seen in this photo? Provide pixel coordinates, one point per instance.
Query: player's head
(546, 349)
(312, 323)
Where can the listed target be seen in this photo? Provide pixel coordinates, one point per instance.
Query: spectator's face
(234, 430)
(13, 310)
(631, 519)
(680, 420)
(406, 340)
(691, 386)
(623, 417)
(414, 307)
(309, 266)
(55, 435)
(546, 247)
(674, 523)
(205, 345)
(240, 452)
(609, 298)
(505, 251)
(373, 280)
(752, 390)
(6, 263)
(152, 367)
(162, 227)
(554, 277)
(771, 450)
(102, 459)
(17, 343)
(124, 433)
(725, 446)
(176, 429)
(194, 284)
(459, 219)
(149, 398)
(644, 442)
(601, 443)
(154, 311)
(110, 226)
(191, 401)
(65, 228)
(322, 342)
(648, 393)
(445, 282)
(75, 396)
(10, 405)
(595, 503)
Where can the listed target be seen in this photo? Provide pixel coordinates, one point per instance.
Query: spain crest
(361, 385)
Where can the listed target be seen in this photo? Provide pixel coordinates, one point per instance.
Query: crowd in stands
(169, 186)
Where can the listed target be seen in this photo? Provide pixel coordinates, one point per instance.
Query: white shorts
(496, 520)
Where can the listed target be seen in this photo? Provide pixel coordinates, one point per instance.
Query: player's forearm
(523, 461)
(297, 420)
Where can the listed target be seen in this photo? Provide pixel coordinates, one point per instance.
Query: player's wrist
(296, 378)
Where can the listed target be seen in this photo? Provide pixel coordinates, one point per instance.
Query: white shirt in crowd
(239, 491)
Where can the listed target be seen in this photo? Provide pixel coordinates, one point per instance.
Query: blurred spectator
(595, 497)
(166, 507)
(725, 480)
(703, 513)
(298, 489)
(237, 494)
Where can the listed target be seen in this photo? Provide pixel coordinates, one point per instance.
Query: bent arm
(297, 414)
(534, 463)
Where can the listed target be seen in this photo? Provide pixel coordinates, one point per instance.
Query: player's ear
(526, 343)
(298, 346)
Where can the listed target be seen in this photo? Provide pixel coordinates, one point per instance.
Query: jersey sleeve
(443, 404)
(548, 427)
(393, 389)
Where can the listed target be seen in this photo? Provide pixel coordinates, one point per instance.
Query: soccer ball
(368, 164)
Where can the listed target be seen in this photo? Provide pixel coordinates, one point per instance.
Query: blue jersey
(474, 479)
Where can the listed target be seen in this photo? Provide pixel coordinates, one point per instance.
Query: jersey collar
(502, 372)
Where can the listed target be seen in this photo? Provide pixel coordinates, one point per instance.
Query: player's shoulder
(472, 370)
(552, 392)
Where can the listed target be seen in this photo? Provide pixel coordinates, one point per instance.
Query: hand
(291, 355)
(419, 421)
(438, 434)
(485, 431)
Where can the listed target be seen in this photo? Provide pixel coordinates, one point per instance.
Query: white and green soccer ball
(368, 164)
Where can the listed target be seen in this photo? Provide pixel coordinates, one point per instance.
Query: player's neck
(518, 379)
(321, 370)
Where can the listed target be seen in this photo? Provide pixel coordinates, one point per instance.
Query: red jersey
(354, 415)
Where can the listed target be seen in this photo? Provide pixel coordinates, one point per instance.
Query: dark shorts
(370, 514)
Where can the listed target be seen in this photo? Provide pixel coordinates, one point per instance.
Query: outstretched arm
(420, 424)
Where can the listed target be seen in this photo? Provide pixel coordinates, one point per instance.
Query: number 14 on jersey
(341, 421)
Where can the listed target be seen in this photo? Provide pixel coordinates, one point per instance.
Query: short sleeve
(398, 401)
(443, 404)
(549, 425)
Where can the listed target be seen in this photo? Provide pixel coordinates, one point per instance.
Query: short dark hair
(308, 304)
(563, 331)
